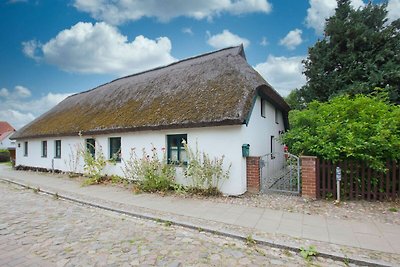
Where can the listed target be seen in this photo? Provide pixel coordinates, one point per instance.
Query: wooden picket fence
(358, 180)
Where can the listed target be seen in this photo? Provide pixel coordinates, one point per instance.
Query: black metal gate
(280, 172)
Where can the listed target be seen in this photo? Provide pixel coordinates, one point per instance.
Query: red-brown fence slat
(318, 177)
(387, 183)
(394, 165)
(323, 178)
(351, 168)
(362, 164)
(381, 185)
(368, 184)
(375, 184)
(329, 172)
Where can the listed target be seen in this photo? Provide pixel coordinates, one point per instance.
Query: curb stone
(213, 230)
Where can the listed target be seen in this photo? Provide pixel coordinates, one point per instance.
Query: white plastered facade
(215, 141)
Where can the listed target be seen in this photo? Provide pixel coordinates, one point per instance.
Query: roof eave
(226, 122)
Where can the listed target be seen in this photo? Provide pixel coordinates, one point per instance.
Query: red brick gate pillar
(253, 174)
(309, 176)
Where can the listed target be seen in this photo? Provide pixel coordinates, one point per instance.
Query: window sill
(57, 157)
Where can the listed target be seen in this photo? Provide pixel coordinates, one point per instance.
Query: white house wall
(216, 141)
(259, 130)
(7, 143)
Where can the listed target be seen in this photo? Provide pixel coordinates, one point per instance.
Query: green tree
(360, 51)
(363, 127)
(295, 100)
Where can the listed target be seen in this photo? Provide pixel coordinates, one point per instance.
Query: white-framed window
(57, 145)
(115, 148)
(44, 149)
(263, 108)
(176, 152)
(25, 148)
(91, 146)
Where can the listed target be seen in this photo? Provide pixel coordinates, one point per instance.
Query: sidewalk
(283, 229)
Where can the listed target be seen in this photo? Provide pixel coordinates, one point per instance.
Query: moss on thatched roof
(217, 88)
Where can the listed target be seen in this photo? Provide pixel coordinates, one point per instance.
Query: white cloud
(320, 10)
(264, 41)
(22, 91)
(18, 110)
(187, 31)
(30, 48)
(283, 73)
(101, 48)
(225, 39)
(4, 92)
(119, 11)
(292, 39)
(393, 9)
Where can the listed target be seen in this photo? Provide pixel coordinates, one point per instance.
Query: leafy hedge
(4, 155)
(362, 127)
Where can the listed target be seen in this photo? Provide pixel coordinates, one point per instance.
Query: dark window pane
(58, 149)
(25, 148)
(115, 148)
(91, 146)
(176, 151)
(44, 149)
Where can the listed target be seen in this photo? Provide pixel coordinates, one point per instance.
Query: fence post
(309, 176)
(253, 174)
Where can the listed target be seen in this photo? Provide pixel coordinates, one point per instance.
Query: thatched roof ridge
(212, 89)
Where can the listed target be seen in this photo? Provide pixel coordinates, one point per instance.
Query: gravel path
(38, 230)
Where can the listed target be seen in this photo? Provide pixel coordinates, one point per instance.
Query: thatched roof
(212, 89)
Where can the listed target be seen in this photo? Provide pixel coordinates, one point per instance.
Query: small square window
(57, 153)
(176, 152)
(25, 149)
(263, 108)
(115, 148)
(91, 146)
(44, 149)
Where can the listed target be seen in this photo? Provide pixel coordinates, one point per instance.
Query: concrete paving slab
(315, 233)
(267, 225)
(272, 214)
(287, 229)
(369, 241)
(313, 220)
(365, 228)
(248, 220)
(294, 216)
(388, 228)
(348, 239)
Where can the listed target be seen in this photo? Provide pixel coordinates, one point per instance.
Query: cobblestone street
(39, 230)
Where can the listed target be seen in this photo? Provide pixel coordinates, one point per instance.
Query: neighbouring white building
(216, 100)
(6, 130)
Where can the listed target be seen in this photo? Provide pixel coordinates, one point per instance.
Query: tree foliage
(363, 127)
(360, 51)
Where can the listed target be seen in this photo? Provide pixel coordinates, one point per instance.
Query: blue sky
(52, 48)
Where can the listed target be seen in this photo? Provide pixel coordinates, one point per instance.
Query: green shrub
(205, 174)
(93, 166)
(362, 127)
(154, 174)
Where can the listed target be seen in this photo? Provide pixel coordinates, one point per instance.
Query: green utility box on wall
(245, 150)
